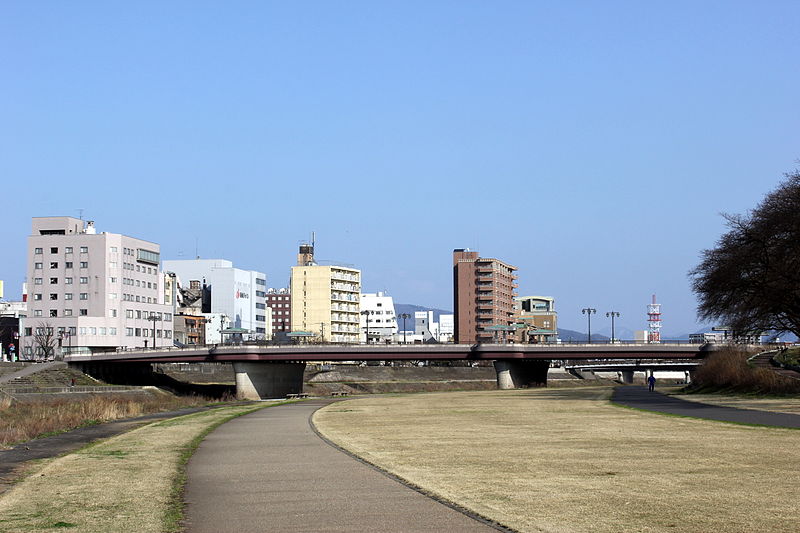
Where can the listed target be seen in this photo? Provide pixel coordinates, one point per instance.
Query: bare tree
(751, 279)
(45, 340)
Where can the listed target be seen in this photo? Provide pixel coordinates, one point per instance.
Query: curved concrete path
(641, 398)
(269, 471)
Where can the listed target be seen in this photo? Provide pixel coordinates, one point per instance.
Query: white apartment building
(238, 294)
(95, 291)
(377, 311)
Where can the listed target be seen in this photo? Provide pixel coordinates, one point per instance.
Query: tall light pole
(612, 314)
(366, 325)
(154, 317)
(588, 312)
(404, 316)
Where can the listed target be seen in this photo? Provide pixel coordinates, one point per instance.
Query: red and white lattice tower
(654, 322)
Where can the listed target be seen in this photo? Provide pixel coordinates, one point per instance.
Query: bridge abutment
(627, 376)
(520, 374)
(259, 381)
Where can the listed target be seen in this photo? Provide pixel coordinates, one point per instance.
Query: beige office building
(96, 291)
(325, 299)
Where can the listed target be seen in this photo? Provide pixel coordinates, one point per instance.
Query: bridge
(272, 371)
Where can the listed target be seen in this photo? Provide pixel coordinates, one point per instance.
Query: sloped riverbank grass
(127, 483)
(23, 421)
(728, 371)
(566, 460)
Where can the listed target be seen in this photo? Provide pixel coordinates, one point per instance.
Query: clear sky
(591, 144)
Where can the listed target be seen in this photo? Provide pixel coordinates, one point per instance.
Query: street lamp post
(612, 314)
(154, 317)
(588, 312)
(404, 316)
(366, 314)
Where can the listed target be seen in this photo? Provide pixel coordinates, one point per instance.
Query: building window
(53, 281)
(102, 331)
(53, 250)
(129, 313)
(68, 250)
(82, 331)
(67, 312)
(83, 312)
(112, 279)
(112, 313)
(129, 332)
(84, 264)
(112, 295)
(112, 264)
(53, 296)
(37, 250)
(37, 296)
(138, 332)
(84, 280)
(114, 249)
(53, 313)
(37, 266)
(92, 331)
(138, 314)
(167, 317)
(68, 264)
(84, 249)
(68, 296)
(84, 296)
(37, 281)
(53, 264)
(68, 281)
(37, 312)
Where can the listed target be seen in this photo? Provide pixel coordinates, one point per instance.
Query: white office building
(238, 294)
(92, 291)
(427, 329)
(377, 311)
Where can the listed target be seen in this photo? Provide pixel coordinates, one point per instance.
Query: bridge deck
(397, 352)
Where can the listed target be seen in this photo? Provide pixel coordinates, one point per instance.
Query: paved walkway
(268, 471)
(641, 398)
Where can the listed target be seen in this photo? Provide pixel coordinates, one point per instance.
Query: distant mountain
(568, 335)
(399, 309)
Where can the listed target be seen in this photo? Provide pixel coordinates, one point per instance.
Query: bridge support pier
(520, 374)
(260, 381)
(627, 376)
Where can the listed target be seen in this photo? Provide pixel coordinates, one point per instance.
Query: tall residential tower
(483, 296)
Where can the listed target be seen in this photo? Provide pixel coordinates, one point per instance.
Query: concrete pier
(627, 376)
(520, 374)
(263, 380)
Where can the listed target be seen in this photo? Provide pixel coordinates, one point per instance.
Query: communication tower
(654, 322)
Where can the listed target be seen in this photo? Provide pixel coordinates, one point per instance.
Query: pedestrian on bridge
(651, 383)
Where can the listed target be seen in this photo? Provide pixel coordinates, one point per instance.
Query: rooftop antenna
(196, 252)
(313, 238)
(80, 213)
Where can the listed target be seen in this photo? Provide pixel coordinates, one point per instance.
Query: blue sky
(591, 144)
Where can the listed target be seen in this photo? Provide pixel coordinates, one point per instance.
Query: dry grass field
(21, 421)
(565, 460)
(123, 484)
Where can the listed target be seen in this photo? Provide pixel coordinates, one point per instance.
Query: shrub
(727, 370)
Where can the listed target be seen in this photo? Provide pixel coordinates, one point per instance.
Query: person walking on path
(651, 383)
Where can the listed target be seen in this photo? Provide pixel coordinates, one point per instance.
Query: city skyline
(593, 147)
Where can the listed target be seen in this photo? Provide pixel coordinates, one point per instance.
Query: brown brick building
(483, 294)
